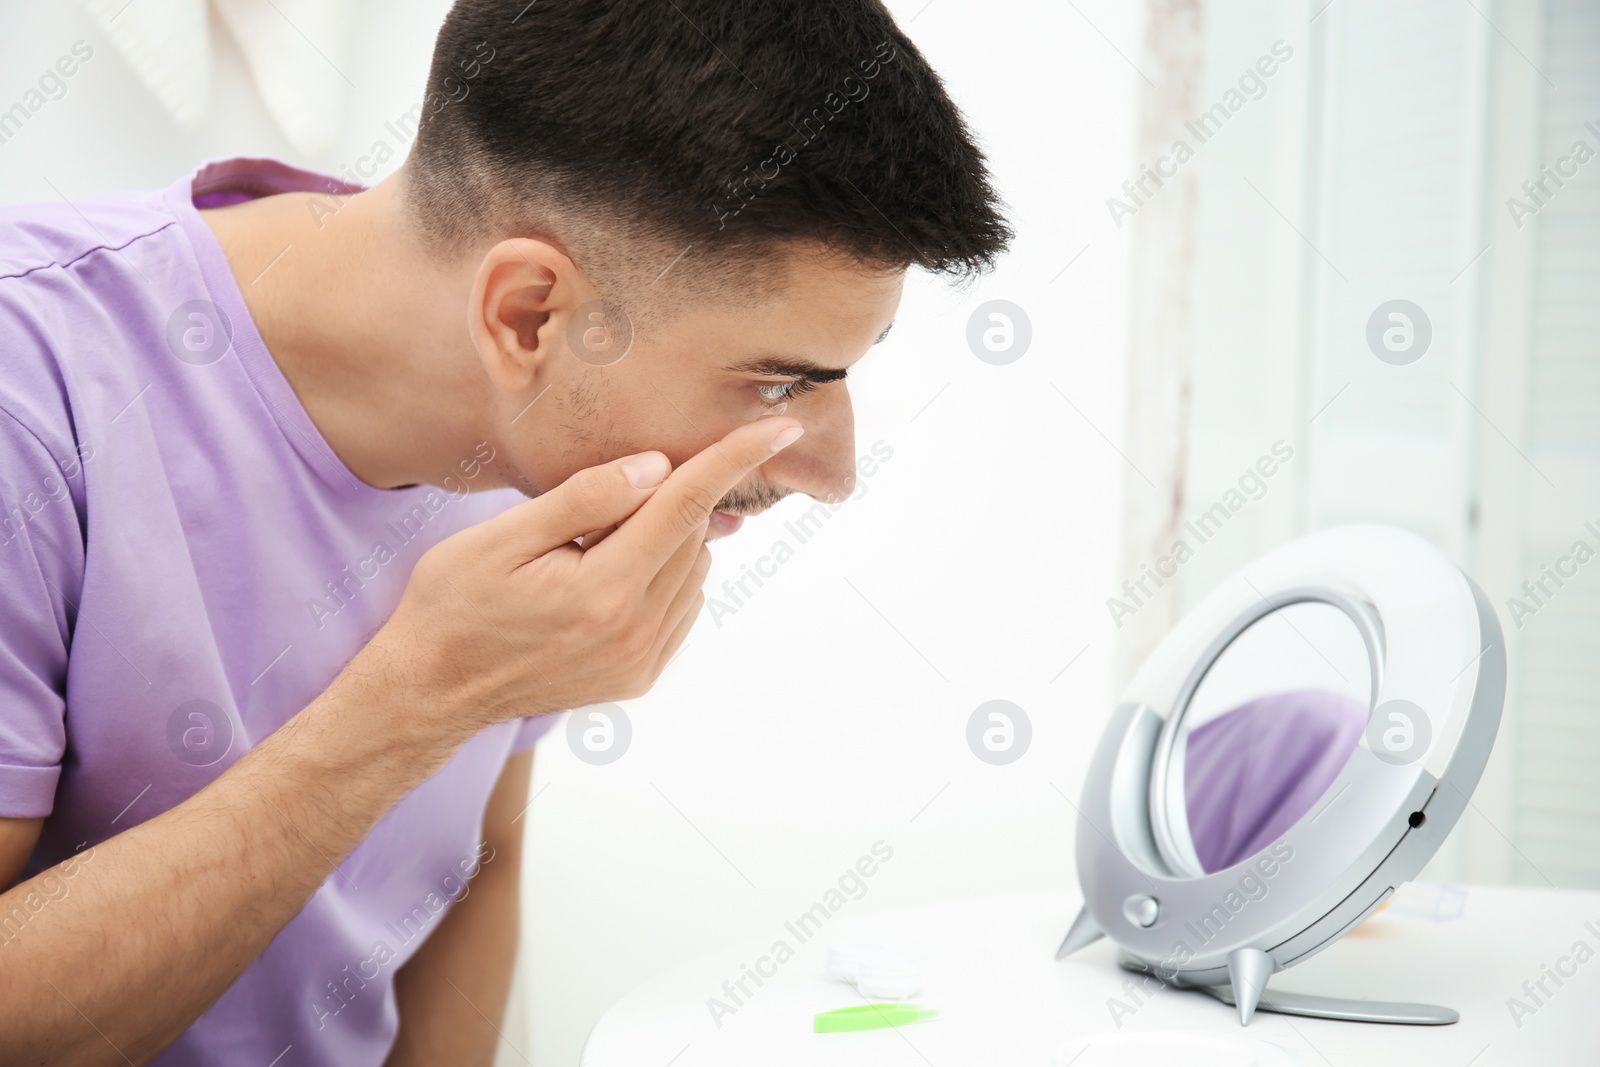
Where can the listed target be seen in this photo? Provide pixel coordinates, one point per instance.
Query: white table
(989, 968)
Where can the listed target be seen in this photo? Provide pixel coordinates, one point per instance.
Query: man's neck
(370, 334)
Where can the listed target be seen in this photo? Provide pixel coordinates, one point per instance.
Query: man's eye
(776, 392)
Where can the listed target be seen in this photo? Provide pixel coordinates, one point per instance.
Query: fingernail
(646, 470)
(787, 438)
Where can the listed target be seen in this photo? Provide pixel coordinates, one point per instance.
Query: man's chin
(722, 524)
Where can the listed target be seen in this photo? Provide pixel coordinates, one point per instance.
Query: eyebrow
(793, 367)
(786, 367)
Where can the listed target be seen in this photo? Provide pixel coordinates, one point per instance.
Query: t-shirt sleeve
(530, 730)
(41, 568)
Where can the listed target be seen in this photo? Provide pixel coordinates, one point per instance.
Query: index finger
(686, 499)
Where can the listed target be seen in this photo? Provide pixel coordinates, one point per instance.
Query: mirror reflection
(1269, 728)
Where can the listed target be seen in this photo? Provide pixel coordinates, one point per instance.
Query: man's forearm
(196, 893)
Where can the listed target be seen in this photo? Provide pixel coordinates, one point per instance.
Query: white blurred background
(1227, 312)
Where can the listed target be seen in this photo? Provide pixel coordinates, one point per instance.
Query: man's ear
(524, 292)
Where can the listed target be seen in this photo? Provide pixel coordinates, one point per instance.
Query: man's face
(681, 387)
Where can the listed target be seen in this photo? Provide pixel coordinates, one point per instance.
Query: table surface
(989, 967)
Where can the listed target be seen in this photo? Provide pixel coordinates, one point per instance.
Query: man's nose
(822, 464)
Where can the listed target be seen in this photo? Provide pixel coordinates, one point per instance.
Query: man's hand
(513, 618)
(509, 618)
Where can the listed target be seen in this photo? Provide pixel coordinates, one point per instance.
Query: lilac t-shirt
(184, 565)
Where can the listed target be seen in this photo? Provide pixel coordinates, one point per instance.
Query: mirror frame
(1169, 814)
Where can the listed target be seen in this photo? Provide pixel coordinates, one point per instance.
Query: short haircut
(635, 131)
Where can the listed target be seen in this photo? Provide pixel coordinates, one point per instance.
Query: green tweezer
(869, 1017)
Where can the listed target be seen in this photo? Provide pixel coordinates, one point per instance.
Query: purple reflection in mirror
(1250, 773)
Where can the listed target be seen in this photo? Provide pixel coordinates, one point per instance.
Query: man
(280, 626)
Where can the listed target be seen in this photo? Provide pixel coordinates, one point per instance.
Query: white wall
(830, 710)
(1379, 166)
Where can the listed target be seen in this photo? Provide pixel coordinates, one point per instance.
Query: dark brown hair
(726, 126)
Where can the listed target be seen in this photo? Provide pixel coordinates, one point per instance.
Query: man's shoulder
(73, 277)
(61, 234)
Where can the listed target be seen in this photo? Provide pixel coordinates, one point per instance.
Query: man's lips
(722, 524)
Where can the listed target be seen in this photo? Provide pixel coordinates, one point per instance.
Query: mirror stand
(1249, 975)
(1346, 1009)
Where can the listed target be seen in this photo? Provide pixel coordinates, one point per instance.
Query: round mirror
(1245, 750)
(1268, 725)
